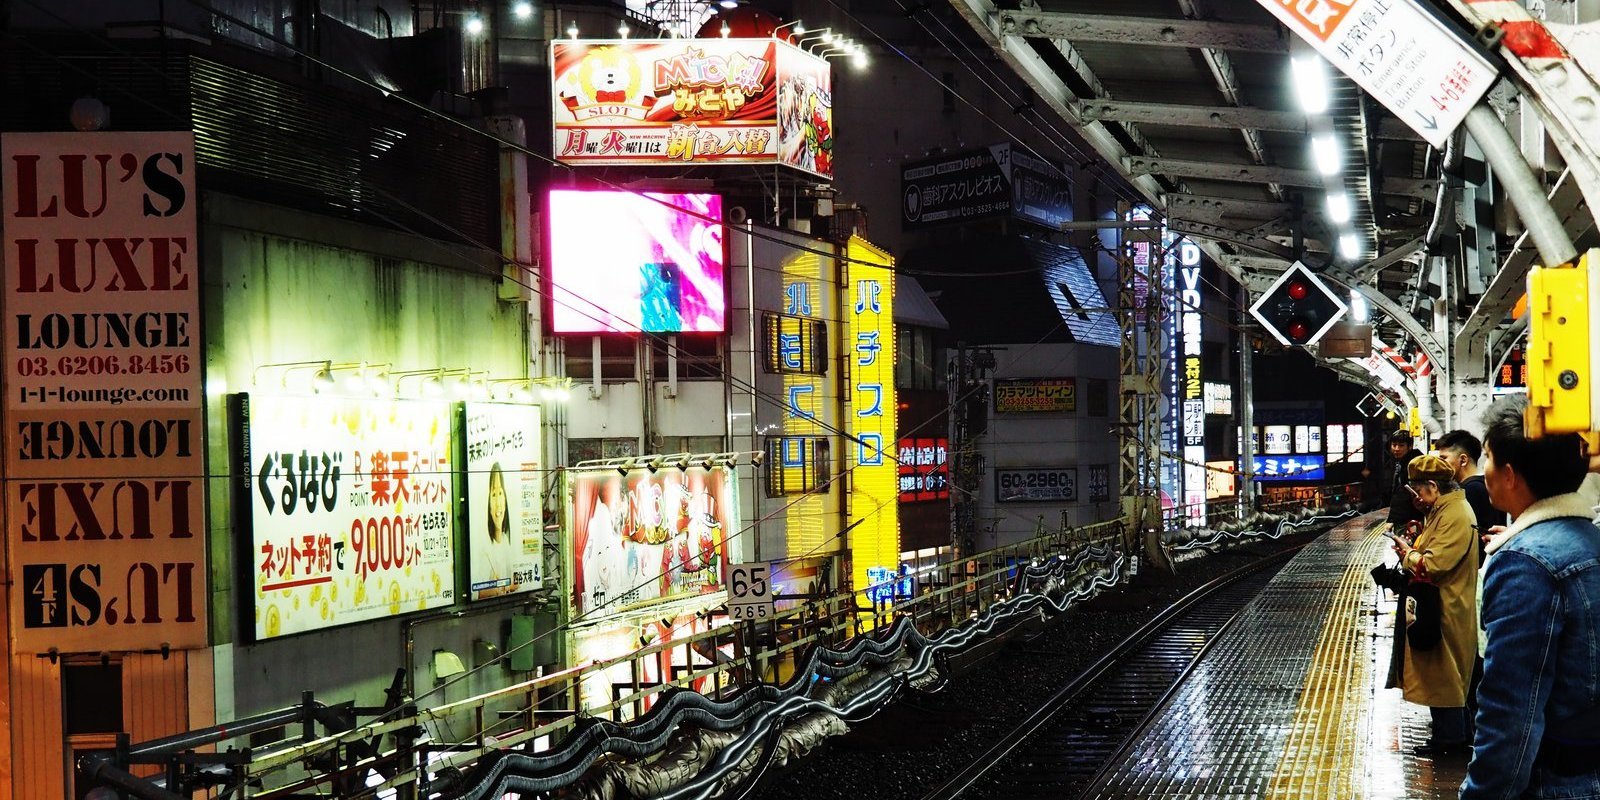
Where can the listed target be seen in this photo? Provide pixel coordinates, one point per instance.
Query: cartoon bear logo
(607, 82)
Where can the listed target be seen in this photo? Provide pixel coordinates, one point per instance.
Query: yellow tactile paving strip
(1325, 750)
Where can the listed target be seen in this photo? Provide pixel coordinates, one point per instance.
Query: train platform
(1289, 701)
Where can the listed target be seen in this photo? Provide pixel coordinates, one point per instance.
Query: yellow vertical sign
(810, 406)
(870, 454)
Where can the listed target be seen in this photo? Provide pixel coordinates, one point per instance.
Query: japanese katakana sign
(1403, 55)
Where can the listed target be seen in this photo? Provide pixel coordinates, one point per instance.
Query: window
(579, 450)
(797, 464)
(794, 345)
(1099, 400)
(618, 358)
(699, 356)
(692, 444)
(92, 695)
(918, 360)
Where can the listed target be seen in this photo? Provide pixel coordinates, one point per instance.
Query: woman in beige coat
(1445, 554)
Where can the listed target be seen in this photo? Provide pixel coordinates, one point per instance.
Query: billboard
(104, 464)
(1041, 395)
(505, 500)
(351, 509)
(626, 262)
(648, 536)
(1099, 483)
(994, 181)
(691, 102)
(1052, 484)
(620, 637)
(874, 477)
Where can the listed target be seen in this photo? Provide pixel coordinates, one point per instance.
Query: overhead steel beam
(1189, 116)
(1145, 31)
(1219, 171)
(1472, 359)
(1246, 239)
(1367, 271)
(1211, 208)
(1419, 188)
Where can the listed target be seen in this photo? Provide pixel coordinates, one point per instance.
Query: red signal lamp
(1298, 330)
(1298, 290)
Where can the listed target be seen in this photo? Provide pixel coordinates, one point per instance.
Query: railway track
(1061, 749)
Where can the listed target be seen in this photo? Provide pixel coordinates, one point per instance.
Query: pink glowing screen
(624, 262)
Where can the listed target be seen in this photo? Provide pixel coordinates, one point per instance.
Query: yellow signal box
(1563, 384)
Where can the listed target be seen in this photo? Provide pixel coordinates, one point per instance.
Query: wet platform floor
(1290, 703)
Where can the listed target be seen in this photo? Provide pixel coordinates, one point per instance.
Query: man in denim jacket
(1538, 724)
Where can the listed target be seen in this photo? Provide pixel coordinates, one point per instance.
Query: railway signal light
(1298, 308)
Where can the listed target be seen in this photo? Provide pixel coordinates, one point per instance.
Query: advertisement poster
(648, 536)
(351, 510)
(691, 101)
(104, 463)
(1099, 483)
(1036, 485)
(1035, 395)
(626, 262)
(505, 500)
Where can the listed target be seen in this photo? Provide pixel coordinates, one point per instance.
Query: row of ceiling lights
(824, 43)
(1312, 86)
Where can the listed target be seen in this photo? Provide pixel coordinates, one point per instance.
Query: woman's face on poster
(497, 501)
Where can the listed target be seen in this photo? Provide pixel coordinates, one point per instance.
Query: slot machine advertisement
(350, 509)
(648, 536)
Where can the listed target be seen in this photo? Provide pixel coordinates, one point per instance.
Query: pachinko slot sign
(351, 509)
(692, 101)
(648, 536)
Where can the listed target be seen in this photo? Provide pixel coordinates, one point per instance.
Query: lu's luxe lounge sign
(104, 467)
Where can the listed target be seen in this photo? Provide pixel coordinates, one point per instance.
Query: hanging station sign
(690, 102)
(351, 509)
(104, 464)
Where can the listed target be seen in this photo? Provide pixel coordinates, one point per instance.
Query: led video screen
(626, 262)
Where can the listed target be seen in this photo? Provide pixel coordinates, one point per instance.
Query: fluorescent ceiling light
(1325, 154)
(1358, 306)
(1339, 210)
(1310, 83)
(1349, 247)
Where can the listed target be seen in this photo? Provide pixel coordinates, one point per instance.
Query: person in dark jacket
(1402, 506)
(1462, 450)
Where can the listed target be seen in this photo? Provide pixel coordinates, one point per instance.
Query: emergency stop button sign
(1410, 60)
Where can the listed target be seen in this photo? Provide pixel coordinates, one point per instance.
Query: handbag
(1424, 613)
(1389, 576)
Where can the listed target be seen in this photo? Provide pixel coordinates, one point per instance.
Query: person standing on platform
(1463, 450)
(1443, 640)
(1402, 505)
(1538, 724)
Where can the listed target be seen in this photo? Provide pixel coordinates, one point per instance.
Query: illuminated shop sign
(625, 262)
(993, 181)
(1099, 483)
(924, 471)
(886, 585)
(1193, 392)
(351, 509)
(1041, 395)
(1279, 440)
(875, 477)
(648, 536)
(810, 457)
(691, 102)
(505, 499)
(1047, 485)
(1290, 468)
(1219, 398)
(1220, 480)
(104, 468)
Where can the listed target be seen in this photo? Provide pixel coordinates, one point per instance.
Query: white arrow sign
(1405, 57)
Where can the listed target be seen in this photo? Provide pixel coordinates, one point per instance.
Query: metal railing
(551, 706)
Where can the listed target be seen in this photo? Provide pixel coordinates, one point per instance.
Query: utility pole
(968, 386)
(1138, 406)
